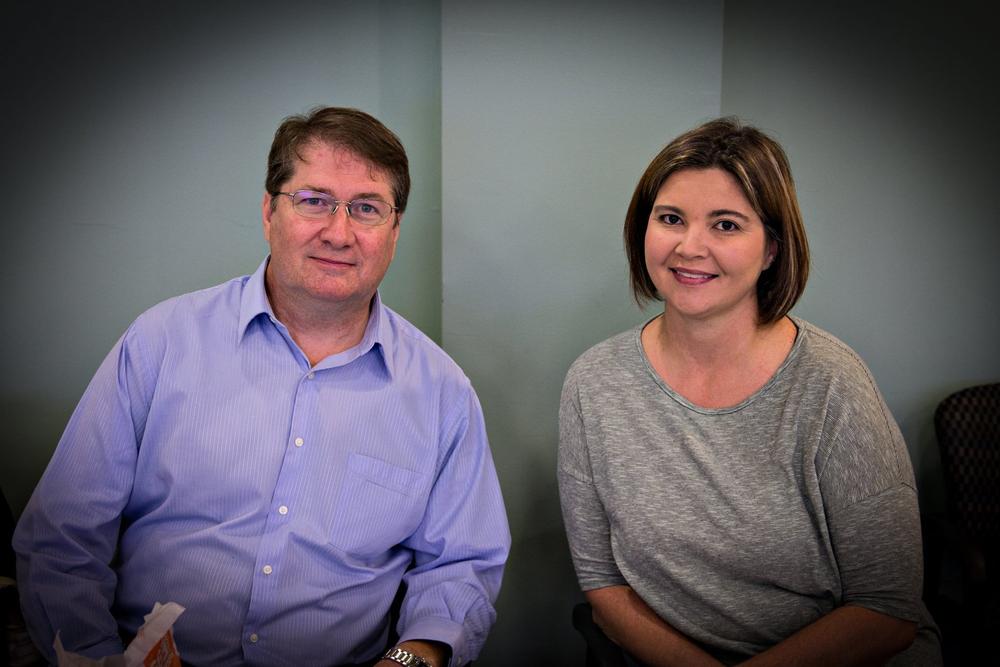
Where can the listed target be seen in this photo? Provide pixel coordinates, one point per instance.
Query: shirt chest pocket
(379, 506)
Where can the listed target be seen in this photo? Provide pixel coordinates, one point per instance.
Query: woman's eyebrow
(717, 213)
(725, 211)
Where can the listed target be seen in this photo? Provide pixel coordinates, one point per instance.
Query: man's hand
(435, 653)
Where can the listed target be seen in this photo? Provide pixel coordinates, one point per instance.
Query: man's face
(333, 261)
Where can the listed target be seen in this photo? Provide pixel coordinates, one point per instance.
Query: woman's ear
(772, 252)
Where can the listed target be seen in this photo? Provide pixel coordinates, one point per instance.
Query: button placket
(271, 551)
(271, 555)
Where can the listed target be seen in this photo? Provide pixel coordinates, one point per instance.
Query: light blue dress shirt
(281, 504)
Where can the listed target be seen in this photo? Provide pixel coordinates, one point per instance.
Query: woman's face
(705, 246)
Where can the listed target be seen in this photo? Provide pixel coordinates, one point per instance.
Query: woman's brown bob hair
(761, 168)
(354, 130)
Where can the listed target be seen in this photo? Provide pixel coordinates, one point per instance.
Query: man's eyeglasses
(319, 204)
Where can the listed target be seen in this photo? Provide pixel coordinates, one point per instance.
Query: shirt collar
(378, 334)
(253, 301)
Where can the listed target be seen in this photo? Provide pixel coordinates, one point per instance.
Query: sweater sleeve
(870, 500)
(587, 526)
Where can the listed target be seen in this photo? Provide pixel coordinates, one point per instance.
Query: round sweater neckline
(801, 329)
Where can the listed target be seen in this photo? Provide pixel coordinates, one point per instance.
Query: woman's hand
(630, 623)
(846, 636)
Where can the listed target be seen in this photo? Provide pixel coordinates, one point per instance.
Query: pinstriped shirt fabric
(281, 504)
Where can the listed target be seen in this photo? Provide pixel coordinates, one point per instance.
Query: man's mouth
(326, 261)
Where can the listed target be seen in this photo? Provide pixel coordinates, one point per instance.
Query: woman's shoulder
(608, 355)
(824, 356)
(862, 452)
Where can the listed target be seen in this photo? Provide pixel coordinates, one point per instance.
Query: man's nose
(338, 227)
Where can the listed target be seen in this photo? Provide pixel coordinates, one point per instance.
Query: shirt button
(283, 510)
(299, 442)
(311, 376)
(268, 569)
(253, 638)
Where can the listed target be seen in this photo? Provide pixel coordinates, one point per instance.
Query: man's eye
(313, 201)
(365, 208)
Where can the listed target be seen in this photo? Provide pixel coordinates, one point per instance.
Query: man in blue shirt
(282, 454)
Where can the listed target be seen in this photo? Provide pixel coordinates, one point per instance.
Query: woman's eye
(670, 219)
(727, 225)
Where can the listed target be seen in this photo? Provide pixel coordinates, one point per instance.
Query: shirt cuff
(106, 648)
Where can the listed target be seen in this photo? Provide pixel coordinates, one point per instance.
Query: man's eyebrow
(369, 195)
(359, 195)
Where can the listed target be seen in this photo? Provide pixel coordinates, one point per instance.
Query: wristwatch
(405, 658)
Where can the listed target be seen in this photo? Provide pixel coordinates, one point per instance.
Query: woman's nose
(691, 243)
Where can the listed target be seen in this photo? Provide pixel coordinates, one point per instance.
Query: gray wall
(550, 112)
(134, 140)
(134, 155)
(549, 117)
(888, 113)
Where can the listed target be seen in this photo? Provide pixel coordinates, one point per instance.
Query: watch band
(405, 658)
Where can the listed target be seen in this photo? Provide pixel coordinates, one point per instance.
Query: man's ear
(395, 236)
(266, 211)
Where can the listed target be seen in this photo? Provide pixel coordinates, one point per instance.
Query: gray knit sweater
(739, 526)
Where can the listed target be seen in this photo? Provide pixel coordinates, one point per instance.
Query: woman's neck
(718, 362)
(719, 341)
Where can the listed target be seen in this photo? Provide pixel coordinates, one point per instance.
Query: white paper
(158, 623)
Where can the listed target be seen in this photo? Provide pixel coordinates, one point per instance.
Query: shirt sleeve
(587, 527)
(67, 535)
(462, 543)
(870, 501)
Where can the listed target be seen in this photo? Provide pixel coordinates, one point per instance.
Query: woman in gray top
(733, 485)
